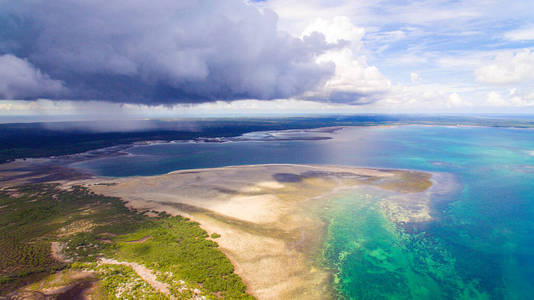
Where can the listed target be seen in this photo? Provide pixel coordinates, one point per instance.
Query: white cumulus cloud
(513, 100)
(354, 81)
(508, 68)
(455, 100)
(336, 29)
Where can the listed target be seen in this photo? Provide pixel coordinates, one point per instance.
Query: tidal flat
(268, 220)
(271, 218)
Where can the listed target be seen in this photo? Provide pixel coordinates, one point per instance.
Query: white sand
(267, 226)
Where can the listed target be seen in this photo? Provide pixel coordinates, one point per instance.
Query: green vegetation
(89, 226)
(215, 235)
(179, 249)
(28, 220)
(121, 282)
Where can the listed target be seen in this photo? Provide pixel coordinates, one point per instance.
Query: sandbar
(268, 216)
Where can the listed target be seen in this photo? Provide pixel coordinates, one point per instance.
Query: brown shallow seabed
(267, 214)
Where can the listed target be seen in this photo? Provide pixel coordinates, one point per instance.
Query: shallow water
(480, 246)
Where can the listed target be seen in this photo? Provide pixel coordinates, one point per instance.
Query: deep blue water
(482, 246)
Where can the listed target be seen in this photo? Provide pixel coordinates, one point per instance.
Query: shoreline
(270, 228)
(121, 149)
(268, 215)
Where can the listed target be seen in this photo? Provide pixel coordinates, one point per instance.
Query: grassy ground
(89, 226)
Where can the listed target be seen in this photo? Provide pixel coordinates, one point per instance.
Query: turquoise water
(374, 259)
(480, 245)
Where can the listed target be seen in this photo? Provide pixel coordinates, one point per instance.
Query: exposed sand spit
(266, 214)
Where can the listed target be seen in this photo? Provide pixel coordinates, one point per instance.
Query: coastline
(76, 160)
(268, 216)
(277, 219)
(450, 213)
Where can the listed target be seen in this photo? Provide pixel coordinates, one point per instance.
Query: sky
(172, 58)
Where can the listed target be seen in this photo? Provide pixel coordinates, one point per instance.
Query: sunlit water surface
(480, 245)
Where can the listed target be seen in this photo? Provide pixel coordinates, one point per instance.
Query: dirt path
(144, 273)
(143, 239)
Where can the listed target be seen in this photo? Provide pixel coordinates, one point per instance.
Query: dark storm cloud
(156, 52)
(19, 78)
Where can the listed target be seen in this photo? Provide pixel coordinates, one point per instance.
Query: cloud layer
(354, 81)
(394, 56)
(161, 52)
(18, 78)
(508, 68)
